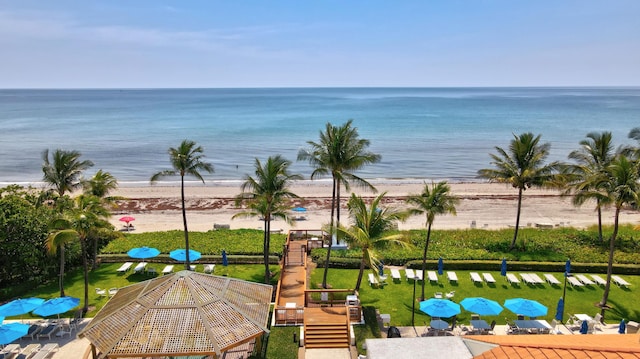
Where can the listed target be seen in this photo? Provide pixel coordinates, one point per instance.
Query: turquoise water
(432, 133)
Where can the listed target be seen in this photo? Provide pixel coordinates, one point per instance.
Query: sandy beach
(490, 206)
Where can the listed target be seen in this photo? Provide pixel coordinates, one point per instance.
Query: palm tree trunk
(85, 268)
(612, 247)
(265, 252)
(94, 263)
(184, 222)
(333, 230)
(424, 259)
(515, 233)
(599, 221)
(61, 276)
(360, 274)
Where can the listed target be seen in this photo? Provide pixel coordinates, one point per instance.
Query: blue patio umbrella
(481, 306)
(443, 308)
(12, 331)
(567, 267)
(381, 269)
(503, 268)
(527, 307)
(584, 327)
(560, 310)
(143, 252)
(20, 306)
(299, 209)
(181, 255)
(622, 327)
(56, 306)
(440, 266)
(225, 261)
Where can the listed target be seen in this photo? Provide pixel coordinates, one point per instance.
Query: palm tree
(187, 159)
(522, 167)
(63, 173)
(431, 202)
(100, 185)
(593, 158)
(339, 152)
(267, 194)
(620, 188)
(368, 231)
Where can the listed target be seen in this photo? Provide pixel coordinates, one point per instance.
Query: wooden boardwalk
(293, 277)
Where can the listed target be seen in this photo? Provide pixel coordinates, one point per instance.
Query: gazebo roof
(185, 313)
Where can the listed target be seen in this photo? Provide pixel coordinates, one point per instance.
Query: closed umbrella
(442, 308)
(12, 331)
(527, 307)
(56, 306)
(143, 252)
(381, 269)
(567, 267)
(622, 327)
(440, 266)
(481, 306)
(503, 268)
(225, 261)
(181, 255)
(560, 310)
(20, 306)
(584, 327)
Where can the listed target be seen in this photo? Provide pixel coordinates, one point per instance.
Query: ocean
(421, 133)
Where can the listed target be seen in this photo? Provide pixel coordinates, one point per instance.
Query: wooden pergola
(182, 314)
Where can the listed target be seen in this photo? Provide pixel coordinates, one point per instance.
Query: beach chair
(410, 274)
(583, 278)
(536, 278)
(140, 267)
(395, 274)
(28, 351)
(125, 267)
(438, 295)
(209, 268)
(46, 351)
(101, 292)
(488, 278)
(475, 277)
(574, 282)
(452, 276)
(49, 330)
(113, 291)
(526, 278)
(167, 269)
(450, 294)
(419, 274)
(598, 279)
(77, 319)
(373, 281)
(619, 281)
(551, 279)
(151, 271)
(512, 279)
(9, 351)
(433, 277)
(33, 331)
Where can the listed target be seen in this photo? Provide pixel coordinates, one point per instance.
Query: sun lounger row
(12, 351)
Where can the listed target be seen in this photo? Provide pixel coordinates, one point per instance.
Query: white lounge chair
(29, 350)
(10, 350)
(583, 278)
(512, 279)
(125, 267)
(619, 281)
(209, 268)
(49, 330)
(438, 295)
(551, 279)
(526, 278)
(32, 332)
(433, 277)
(536, 278)
(419, 274)
(373, 281)
(167, 269)
(113, 291)
(598, 279)
(46, 351)
(452, 276)
(101, 292)
(574, 282)
(140, 267)
(410, 274)
(475, 277)
(450, 294)
(395, 274)
(488, 278)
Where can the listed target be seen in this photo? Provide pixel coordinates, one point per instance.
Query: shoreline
(488, 205)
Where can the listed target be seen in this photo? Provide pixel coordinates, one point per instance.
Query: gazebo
(182, 314)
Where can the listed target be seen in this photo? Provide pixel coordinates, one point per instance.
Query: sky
(318, 43)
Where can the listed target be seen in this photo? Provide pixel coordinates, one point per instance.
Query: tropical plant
(593, 158)
(368, 231)
(433, 201)
(522, 166)
(100, 185)
(85, 222)
(618, 188)
(339, 153)
(266, 195)
(187, 159)
(63, 173)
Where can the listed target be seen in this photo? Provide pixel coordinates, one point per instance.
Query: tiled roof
(561, 346)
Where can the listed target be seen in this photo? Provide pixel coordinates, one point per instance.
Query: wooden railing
(333, 298)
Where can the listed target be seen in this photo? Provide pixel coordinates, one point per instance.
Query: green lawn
(395, 297)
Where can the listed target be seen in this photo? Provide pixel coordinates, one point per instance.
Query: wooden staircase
(326, 327)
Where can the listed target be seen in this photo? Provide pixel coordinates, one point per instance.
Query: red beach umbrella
(127, 219)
